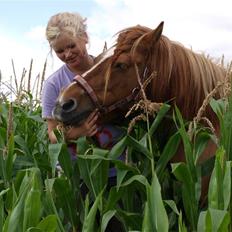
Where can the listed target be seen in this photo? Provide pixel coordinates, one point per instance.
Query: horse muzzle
(72, 113)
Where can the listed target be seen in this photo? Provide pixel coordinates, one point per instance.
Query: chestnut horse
(183, 78)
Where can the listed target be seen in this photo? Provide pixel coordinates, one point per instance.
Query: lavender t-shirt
(52, 87)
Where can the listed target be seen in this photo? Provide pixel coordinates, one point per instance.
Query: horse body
(183, 78)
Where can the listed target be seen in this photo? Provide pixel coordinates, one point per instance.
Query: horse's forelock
(127, 37)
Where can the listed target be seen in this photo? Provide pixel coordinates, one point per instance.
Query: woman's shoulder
(61, 76)
(55, 75)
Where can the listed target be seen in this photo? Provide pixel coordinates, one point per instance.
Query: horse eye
(122, 66)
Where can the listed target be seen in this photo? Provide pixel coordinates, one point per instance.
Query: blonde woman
(67, 36)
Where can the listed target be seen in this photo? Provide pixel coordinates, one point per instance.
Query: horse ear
(105, 47)
(152, 37)
(158, 31)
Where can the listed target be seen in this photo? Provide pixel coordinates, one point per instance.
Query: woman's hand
(87, 128)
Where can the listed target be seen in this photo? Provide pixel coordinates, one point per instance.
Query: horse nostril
(69, 106)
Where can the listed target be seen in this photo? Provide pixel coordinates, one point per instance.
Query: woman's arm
(52, 124)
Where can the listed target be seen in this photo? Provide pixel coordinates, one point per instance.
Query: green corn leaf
(202, 223)
(48, 224)
(49, 183)
(118, 148)
(83, 145)
(130, 220)
(224, 112)
(22, 143)
(33, 204)
(168, 152)
(85, 173)
(65, 161)
(121, 174)
(121, 165)
(181, 225)
(200, 143)
(215, 193)
(213, 220)
(182, 173)
(2, 214)
(85, 170)
(10, 157)
(173, 206)
(189, 195)
(36, 118)
(157, 213)
(66, 198)
(220, 220)
(94, 169)
(59, 152)
(159, 117)
(99, 174)
(3, 167)
(54, 151)
(188, 151)
(106, 218)
(140, 178)
(114, 196)
(33, 229)
(2, 154)
(218, 107)
(16, 217)
(146, 225)
(227, 185)
(88, 224)
(138, 146)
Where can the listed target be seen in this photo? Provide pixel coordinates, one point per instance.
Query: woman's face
(71, 50)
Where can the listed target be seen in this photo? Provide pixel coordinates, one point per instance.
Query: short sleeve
(49, 96)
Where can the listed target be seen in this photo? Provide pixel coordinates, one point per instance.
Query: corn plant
(43, 189)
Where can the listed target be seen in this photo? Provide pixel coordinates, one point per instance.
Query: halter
(105, 109)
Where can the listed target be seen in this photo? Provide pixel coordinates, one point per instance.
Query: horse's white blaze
(61, 98)
(106, 55)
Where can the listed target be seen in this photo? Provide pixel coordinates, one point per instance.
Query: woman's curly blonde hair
(66, 22)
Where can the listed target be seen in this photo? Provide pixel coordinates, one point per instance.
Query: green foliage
(43, 189)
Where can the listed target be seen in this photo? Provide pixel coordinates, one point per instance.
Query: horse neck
(183, 78)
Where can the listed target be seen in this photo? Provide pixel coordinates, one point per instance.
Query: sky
(205, 26)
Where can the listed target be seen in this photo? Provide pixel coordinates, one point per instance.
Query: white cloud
(20, 53)
(31, 45)
(37, 33)
(203, 25)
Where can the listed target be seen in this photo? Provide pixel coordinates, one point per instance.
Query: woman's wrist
(73, 133)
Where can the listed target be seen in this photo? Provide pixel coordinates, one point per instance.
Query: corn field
(150, 192)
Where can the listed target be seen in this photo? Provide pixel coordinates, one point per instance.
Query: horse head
(112, 84)
(183, 77)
